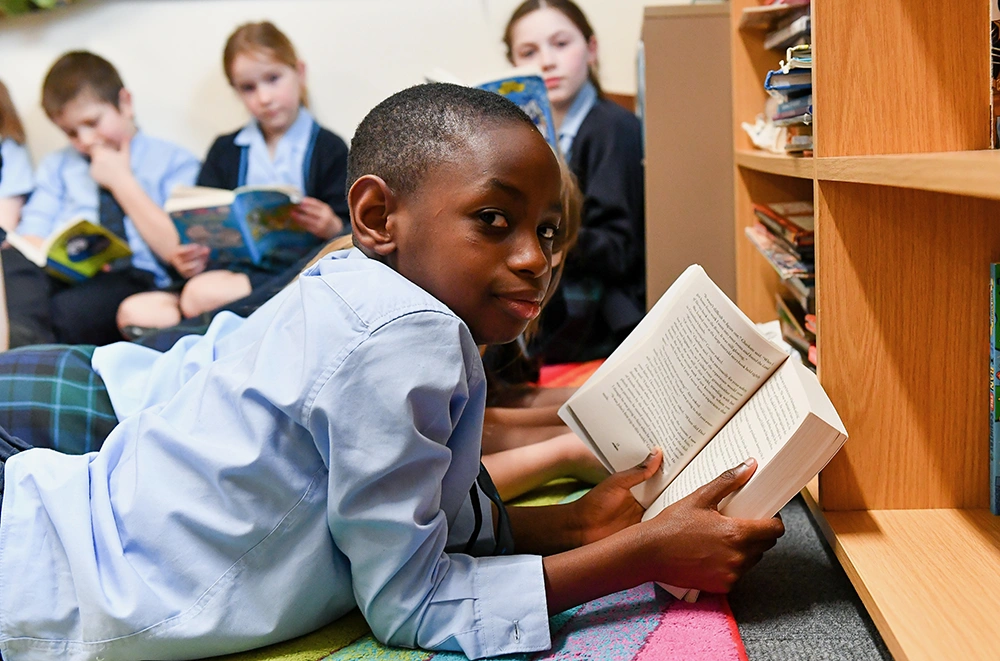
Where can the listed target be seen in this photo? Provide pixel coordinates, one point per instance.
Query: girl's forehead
(542, 22)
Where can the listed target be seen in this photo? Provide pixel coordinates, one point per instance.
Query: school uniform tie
(112, 217)
(505, 536)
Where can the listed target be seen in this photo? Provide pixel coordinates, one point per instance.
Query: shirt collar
(296, 133)
(582, 104)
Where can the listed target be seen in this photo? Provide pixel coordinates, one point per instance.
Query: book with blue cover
(241, 225)
(528, 91)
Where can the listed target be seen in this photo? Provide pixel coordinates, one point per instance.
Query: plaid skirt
(51, 397)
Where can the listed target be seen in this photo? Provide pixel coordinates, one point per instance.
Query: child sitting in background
(113, 174)
(282, 144)
(16, 178)
(331, 460)
(602, 296)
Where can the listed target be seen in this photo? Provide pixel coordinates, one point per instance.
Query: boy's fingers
(641, 472)
(731, 480)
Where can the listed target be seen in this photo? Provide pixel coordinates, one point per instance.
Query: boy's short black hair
(76, 72)
(410, 132)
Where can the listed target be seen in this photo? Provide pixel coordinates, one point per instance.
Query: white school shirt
(64, 190)
(326, 463)
(289, 155)
(16, 178)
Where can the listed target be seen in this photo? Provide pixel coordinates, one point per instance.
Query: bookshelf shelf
(927, 577)
(969, 173)
(907, 197)
(789, 166)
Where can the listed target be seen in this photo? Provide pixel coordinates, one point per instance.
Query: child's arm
(112, 169)
(317, 218)
(521, 469)
(600, 536)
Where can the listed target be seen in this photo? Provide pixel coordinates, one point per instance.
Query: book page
(759, 429)
(676, 387)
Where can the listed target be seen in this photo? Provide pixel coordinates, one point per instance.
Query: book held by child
(238, 225)
(75, 251)
(697, 379)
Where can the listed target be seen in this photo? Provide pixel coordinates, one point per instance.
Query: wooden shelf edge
(789, 166)
(926, 605)
(969, 173)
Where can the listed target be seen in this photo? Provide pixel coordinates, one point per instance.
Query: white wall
(357, 53)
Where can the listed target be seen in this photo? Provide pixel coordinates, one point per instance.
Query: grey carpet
(798, 604)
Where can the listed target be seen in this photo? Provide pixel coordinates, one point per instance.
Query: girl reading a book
(602, 296)
(281, 144)
(16, 177)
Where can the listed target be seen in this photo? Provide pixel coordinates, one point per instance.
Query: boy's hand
(190, 259)
(109, 167)
(317, 218)
(610, 506)
(692, 545)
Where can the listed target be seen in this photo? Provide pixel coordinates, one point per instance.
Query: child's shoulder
(372, 292)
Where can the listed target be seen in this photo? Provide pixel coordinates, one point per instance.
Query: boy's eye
(493, 218)
(548, 232)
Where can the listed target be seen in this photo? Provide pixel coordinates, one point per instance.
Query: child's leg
(29, 291)
(150, 309)
(87, 312)
(51, 394)
(212, 289)
(520, 470)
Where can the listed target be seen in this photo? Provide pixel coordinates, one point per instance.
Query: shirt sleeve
(16, 176)
(611, 234)
(181, 171)
(44, 209)
(401, 466)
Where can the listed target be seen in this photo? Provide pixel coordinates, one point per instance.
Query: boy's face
(88, 121)
(478, 233)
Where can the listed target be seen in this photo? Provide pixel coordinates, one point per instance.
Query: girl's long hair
(10, 123)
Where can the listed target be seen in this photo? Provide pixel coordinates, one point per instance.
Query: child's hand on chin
(109, 166)
(691, 545)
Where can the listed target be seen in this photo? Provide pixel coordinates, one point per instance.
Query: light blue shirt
(286, 167)
(578, 110)
(16, 178)
(323, 460)
(64, 190)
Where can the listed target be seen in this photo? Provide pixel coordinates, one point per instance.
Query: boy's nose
(85, 139)
(530, 258)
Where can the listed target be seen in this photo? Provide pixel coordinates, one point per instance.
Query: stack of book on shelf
(785, 126)
(785, 236)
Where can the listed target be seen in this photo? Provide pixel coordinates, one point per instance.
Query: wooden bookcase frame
(907, 199)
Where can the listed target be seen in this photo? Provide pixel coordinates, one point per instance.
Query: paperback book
(697, 379)
(785, 263)
(75, 251)
(241, 225)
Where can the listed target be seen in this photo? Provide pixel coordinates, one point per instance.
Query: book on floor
(238, 225)
(75, 251)
(697, 379)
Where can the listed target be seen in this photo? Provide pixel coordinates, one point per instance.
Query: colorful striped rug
(641, 624)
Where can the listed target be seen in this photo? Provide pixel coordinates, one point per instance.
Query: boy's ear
(371, 201)
(125, 104)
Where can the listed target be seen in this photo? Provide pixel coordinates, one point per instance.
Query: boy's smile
(478, 232)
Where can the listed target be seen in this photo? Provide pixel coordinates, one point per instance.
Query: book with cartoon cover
(75, 251)
(241, 225)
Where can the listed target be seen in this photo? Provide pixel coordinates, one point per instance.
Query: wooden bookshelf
(907, 198)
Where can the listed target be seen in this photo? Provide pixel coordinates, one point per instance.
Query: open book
(697, 379)
(238, 225)
(75, 251)
(522, 85)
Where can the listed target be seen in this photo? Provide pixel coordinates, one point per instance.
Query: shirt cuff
(512, 606)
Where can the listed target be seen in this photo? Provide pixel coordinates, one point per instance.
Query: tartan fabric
(51, 397)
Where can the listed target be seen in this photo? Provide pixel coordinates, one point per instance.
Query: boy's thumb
(731, 480)
(639, 473)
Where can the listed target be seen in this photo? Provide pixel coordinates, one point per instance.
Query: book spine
(994, 390)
